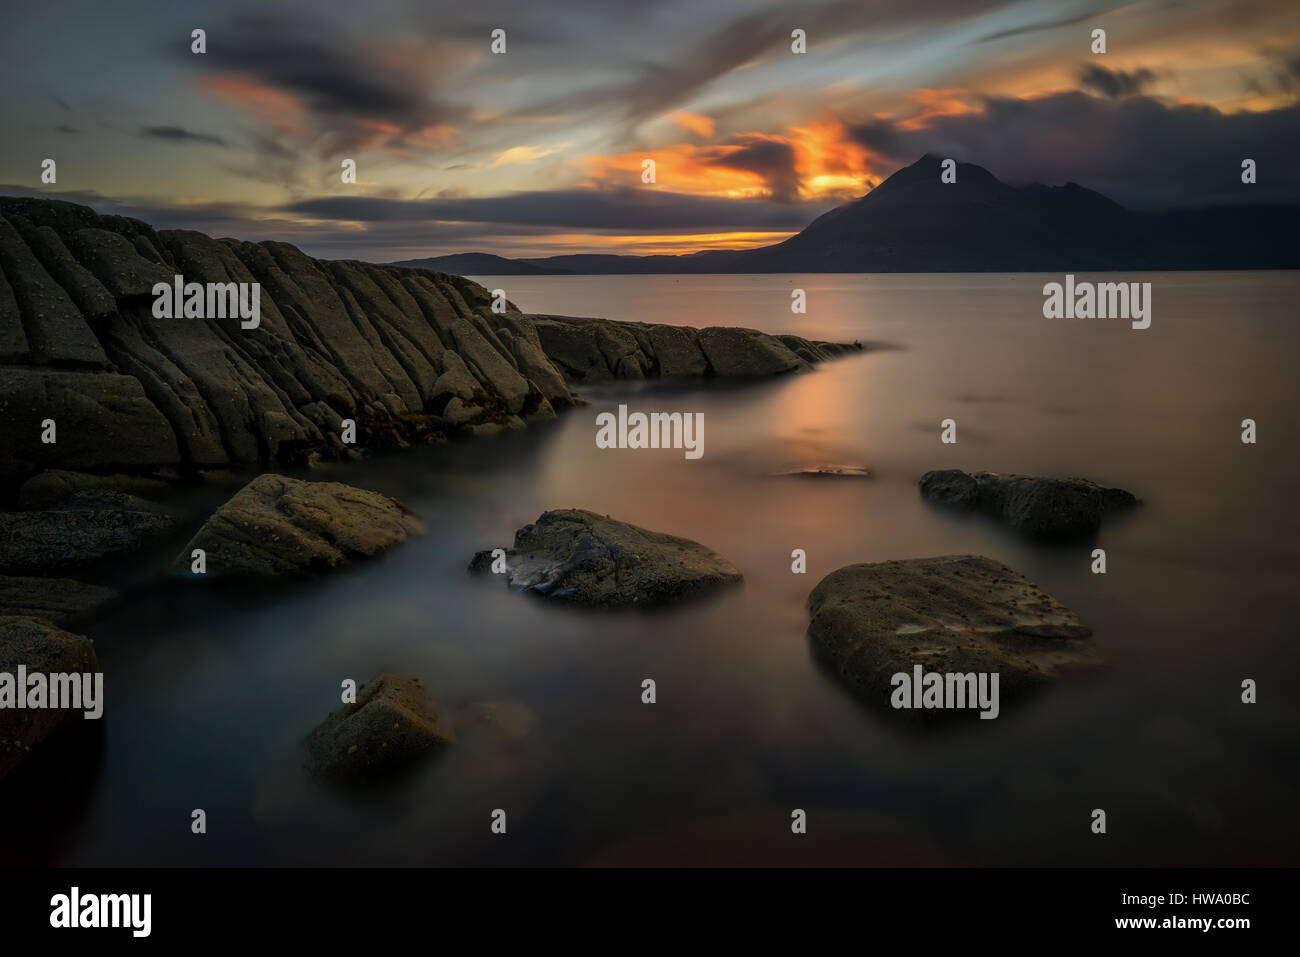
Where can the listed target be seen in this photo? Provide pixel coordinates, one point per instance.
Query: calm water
(211, 690)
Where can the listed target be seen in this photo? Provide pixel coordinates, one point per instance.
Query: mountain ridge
(913, 222)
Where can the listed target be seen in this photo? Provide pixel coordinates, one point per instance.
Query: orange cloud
(823, 161)
(672, 244)
(830, 164)
(936, 103)
(697, 123)
(680, 168)
(276, 108)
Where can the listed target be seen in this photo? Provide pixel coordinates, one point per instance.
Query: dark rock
(391, 725)
(56, 330)
(43, 648)
(1041, 507)
(104, 423)
(57, 600)
(955, 614)
(829, 471)
(599, 350)
(55, 486)
(577, 556)
(277, 525)
(745, 353)
(118, 265)
(88, 526)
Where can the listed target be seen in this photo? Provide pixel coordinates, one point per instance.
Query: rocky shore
(408, 355)
(108, 406)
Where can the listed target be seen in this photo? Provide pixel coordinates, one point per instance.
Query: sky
(539, 150)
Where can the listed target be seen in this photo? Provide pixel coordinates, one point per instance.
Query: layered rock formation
(600, 350)
(132, 393)
(409, 355)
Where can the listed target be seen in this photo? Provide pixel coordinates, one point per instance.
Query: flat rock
(829, 471)
(277, 525)
(578, 556)
(88, 526)
(955, 614)
(55, 486)
(41, 647)
(57, 600)
(1041, 507)
(390, 726)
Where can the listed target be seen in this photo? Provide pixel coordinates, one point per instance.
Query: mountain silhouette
(915, 222)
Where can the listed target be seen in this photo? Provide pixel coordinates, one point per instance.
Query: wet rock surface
(40, 647)
(953, 614)
(391, 726)
(577, 556)
(277, 525)
(88, 526)
(1036, 506)
(57, 600)
(590, 350)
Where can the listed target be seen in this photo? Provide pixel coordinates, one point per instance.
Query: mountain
(914, 222)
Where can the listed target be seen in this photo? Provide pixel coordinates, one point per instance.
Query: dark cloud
(656, 87)
(178, 134)
(1115, 83)
(1283, 76)
(635, 208)
(1139, 150)
(64, 128)
(349, 92)
(771, 159)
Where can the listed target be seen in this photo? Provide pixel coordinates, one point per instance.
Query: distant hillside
(913, 222)
(480, 264)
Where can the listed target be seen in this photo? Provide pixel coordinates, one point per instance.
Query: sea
(211, 689)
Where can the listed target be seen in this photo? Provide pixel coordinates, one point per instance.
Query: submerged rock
(392, 724)
(955, 614)
(829, 471)
(578, 556)
(277, 525)
(57, 600)
(1043, 507)
(41, 648)
(88, 526)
